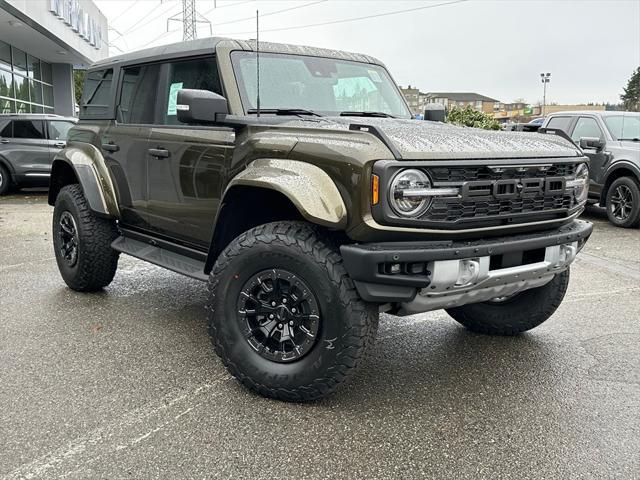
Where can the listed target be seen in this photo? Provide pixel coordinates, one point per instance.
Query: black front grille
(449, 210)
(470, 174)
(456, 209)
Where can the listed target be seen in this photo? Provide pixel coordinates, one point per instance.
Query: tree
(78, 83)
(631, 96)
(470, 117)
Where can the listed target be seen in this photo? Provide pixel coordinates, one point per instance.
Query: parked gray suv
(611, 140)
(28, 143)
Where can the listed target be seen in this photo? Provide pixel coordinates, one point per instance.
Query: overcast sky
(493, 47)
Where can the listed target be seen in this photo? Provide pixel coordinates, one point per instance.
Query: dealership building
(41, 42)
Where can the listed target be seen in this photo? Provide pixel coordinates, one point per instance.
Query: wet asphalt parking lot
(124, 383)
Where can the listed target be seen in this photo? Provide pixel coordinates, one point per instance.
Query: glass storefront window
(34, 67)
(5, 55)
(36, 91)
(47, 75)
(6, 84)
(22, 87)
(25, 82)
(19, 61)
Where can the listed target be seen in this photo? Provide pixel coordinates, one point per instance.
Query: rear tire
(82, 242)
(623, 202)
(5, 180)
(255, 287)
(514, 315)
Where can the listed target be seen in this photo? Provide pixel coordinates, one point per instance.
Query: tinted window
(586, 127)
(625, 127)
(59, 130)
(28, 129)
(138, 97)
(6, 131)
(201, 74)
(96, 95)
(561, 123)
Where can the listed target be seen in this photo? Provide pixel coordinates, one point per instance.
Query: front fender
(308, 187)
(91, 171)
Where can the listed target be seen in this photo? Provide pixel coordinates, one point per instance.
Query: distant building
(464, 99)
(415, 99)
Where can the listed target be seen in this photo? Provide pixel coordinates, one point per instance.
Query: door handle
(110, 147)
(4, 140)
(60, 144)
(159, 152)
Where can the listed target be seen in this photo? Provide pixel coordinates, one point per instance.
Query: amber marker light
(375, 189)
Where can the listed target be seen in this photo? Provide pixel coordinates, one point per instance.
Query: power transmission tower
(190, 19)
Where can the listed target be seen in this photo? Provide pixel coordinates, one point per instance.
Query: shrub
(470, 117)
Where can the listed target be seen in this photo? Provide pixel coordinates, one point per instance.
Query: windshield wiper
(366, 114)
(634, 139)
(283, 111)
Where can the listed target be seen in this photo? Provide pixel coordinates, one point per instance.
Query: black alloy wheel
(279, 315)
(68, 238)
(621, 202)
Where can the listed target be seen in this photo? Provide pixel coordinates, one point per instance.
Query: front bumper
(423, 276)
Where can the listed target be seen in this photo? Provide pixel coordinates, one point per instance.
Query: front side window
(623, 127)
(138, 95)
(559, 123)
(586, 127)
(96, 94)
(59, 130)
(324, 85)
(33, 129)
(198, 74)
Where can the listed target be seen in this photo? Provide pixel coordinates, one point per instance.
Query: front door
(186, 164)
(58, 132)
(588, 127)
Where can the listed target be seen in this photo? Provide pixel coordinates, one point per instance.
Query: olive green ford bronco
(295, 181)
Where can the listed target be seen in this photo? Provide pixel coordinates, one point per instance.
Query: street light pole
(545, 78)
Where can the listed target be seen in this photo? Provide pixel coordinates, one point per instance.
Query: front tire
(82, 242)
(516, 314)
(5, 180)
(623, 202)
(284, 316)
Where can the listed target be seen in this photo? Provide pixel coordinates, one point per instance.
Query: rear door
(186, 164)
(58, 130)
(25, 146)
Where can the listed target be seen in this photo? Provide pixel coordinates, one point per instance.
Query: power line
(125, 11)
(162, 35)
(228, 5)
(354, 19)
(149, 20)
(270, 13)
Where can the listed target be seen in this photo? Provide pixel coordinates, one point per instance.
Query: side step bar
(177, 262)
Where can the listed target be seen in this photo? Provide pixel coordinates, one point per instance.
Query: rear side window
(200, 74)
(59, 130)
(33, 129)
(96, 95)
(560, 123)
(139, 93)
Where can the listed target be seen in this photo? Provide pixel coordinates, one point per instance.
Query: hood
(420, 140)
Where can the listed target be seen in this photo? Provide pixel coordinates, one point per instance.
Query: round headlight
(581, 189)
(404, 195)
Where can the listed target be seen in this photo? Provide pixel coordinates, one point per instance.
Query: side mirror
(591, 143)
(200, 106)
(434, 112)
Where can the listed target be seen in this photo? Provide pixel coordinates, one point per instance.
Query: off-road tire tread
(509, 323)
(356, 344)
(98, 262)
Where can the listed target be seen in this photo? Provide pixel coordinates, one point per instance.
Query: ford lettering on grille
(513, 188)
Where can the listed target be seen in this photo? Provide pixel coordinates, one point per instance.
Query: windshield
(623, 127)
(323, 85)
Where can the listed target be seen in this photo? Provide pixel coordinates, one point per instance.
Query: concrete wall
(63, 94)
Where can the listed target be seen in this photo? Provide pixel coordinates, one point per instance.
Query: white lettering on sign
(72, 13)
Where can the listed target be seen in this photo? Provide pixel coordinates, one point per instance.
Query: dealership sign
(71, 13)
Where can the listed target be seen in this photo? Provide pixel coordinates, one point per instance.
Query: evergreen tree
(631, 96)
